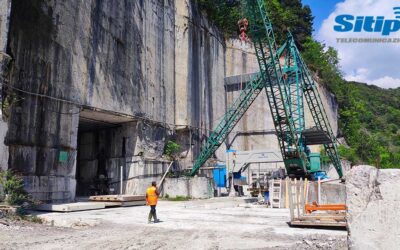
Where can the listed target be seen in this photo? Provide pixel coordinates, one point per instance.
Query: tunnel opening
(100, 149)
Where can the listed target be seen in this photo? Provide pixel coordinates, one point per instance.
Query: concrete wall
(373, 201)
(241, 59)
(197, 187)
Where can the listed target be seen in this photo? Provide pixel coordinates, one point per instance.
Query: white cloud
(363, 75)
(372, 63)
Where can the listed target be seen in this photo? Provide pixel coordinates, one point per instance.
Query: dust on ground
(220, 223)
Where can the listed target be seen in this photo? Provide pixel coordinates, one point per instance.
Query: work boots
(155, 218)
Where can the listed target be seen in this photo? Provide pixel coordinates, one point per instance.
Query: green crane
(323, 127)
(229, 121)
(262, 35)
(285, 87)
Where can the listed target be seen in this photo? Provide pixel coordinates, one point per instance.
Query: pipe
(121, 176)
(165, 174)
(319, 190)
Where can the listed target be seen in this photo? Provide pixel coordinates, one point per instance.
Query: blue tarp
(320, 174)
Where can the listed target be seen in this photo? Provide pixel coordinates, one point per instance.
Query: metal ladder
(276, 193)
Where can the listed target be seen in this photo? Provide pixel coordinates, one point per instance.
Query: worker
(151, 200)
(243, 25)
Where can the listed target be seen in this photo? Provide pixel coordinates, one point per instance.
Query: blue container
(266, 196)
(237, 175)
(220, 176)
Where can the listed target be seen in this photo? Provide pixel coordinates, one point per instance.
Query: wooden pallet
(8, 209)
(318, 224)
(323, 217)
(117, 198)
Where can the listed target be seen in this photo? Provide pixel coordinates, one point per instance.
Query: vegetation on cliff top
(286, 14)
(369, 116)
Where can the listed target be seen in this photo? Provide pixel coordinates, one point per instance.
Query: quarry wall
(104, 84)
(5, 7)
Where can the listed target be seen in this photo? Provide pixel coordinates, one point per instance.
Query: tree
(284, 14)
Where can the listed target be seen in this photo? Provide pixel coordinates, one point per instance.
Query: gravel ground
(222, 223)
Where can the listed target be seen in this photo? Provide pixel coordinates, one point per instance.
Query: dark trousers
(152, 213)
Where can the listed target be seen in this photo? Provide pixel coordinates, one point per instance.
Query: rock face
(373, 200)
(5, 7)
(102, 84)
(155, 67)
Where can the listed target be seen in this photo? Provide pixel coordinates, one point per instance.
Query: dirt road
(223, 223)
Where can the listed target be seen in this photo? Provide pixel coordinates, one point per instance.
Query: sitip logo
(377, 24)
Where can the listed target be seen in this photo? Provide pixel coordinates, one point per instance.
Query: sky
(371, 63)
(321, 9)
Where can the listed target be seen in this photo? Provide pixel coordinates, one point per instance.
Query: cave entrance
(96, 148)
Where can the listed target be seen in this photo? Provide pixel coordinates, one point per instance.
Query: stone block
(176, 187)
(46, 161)
(31, 183)
(50, 188)
(23, 159)
(201, 188)
(373, 201)
(196, 187)
(71, 207)
(67, 168)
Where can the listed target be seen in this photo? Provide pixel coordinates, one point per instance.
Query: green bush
(13, 188)
(171, 149)
(178, 198)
